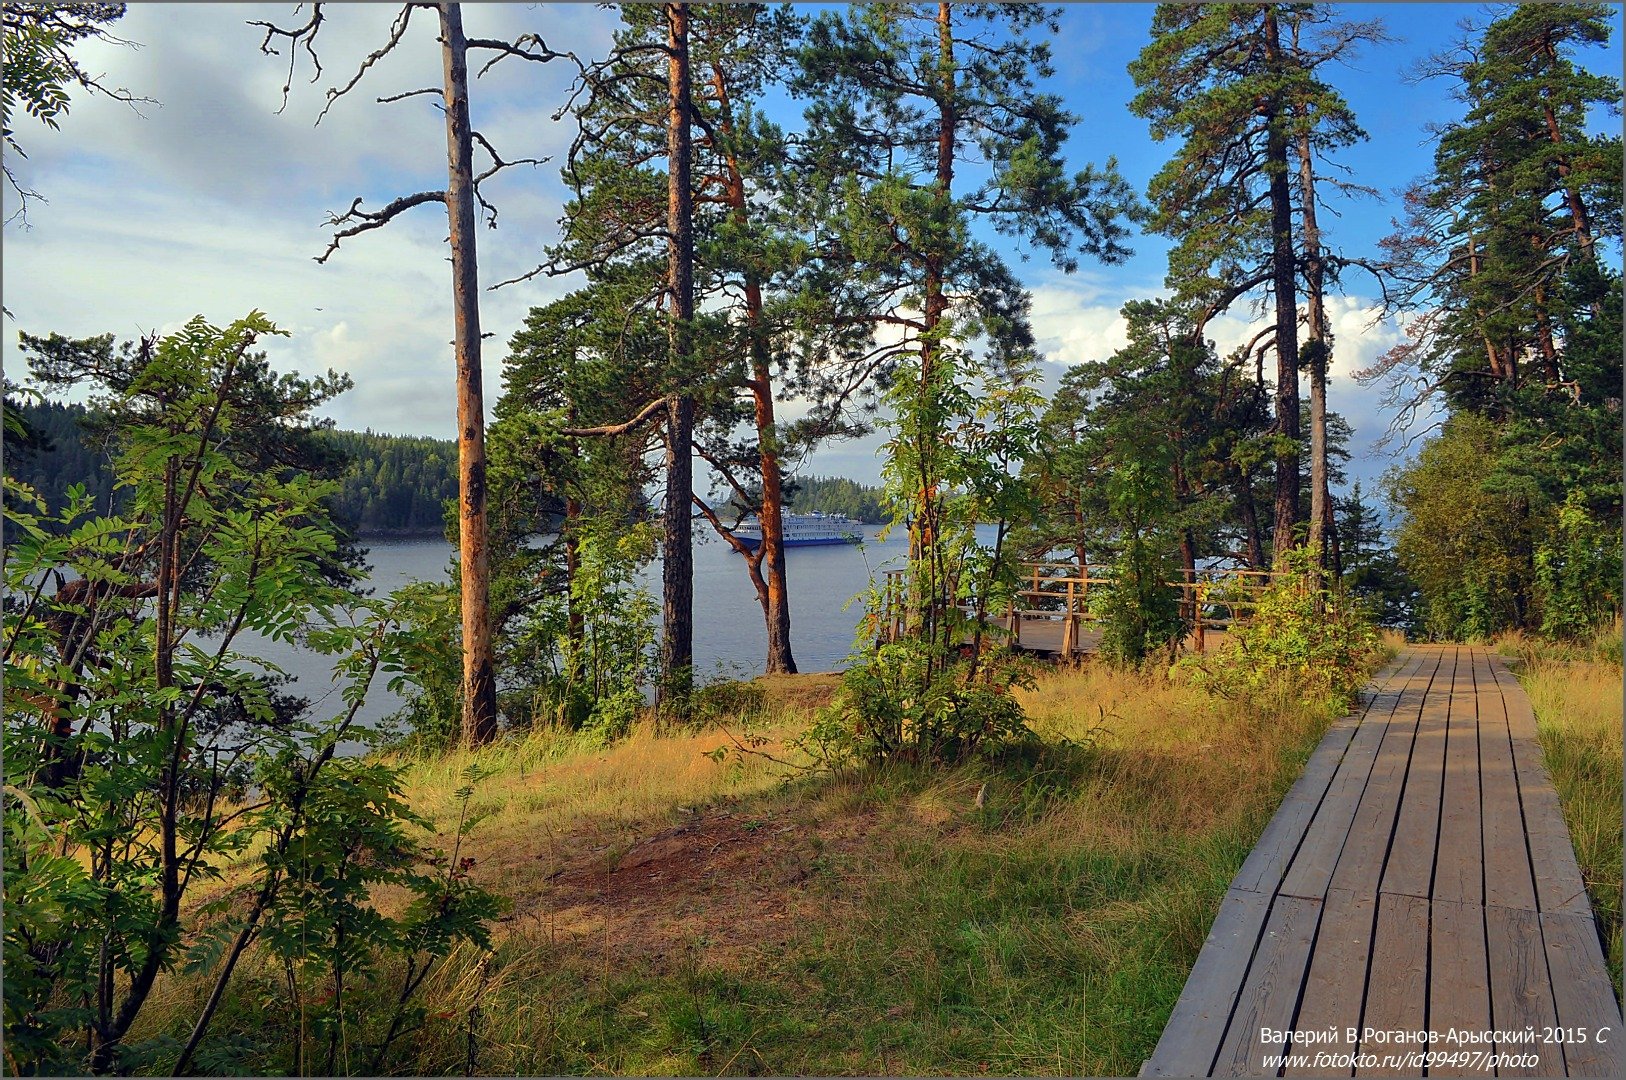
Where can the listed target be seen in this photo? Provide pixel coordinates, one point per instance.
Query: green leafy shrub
(1577, 573)
(579, 659)
(135, 728)
(911, 702)
(1319, 639)
(430, 680)
(1141, 611)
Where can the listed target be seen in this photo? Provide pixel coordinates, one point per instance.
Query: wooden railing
(1209, 599)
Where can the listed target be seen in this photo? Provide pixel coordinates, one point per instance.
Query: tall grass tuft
(1576, 690)
(1033, 910)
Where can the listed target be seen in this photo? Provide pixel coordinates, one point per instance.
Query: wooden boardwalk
(1418, 877)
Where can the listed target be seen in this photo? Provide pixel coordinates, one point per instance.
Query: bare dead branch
(302, 35)
(397, 31)
(369, 221)
(619, 429)
(517, 48)
(435, 90)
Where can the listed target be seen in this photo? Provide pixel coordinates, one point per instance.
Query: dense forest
(836, 495)
(772, 229)
(388, 484)
(394, 484)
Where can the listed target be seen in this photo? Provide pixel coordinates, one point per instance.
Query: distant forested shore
(836, 495)
(394, 485)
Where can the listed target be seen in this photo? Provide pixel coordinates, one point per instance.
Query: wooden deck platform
(1418, 878)
(1048, 635)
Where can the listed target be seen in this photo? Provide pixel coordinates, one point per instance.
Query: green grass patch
(1035, 912)
(1576, 693)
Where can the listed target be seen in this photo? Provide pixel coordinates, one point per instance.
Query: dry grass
(1577, 695)
(1036, 912)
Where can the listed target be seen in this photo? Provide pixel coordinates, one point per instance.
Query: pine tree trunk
(1285, 288)
(677, 571)
(1546, 346)
(771, 518)
(773, 590)
(575, 625)
(1319, 349)
(1250, 522)
(479, 672)
(1580, 224)
(924, 550)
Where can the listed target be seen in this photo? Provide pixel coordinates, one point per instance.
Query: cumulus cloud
(210, 202)
(1078, 321)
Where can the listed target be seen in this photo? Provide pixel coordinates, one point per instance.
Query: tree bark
(1250, 522)
(1322, 535)
(479, 669)
(575, 623)
(677, 570)
(1283, 273)
(770, 564)
(924, 550)
(1548, 348)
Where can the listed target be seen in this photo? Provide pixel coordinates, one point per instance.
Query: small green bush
(727, 699)
(1319, 638)
(1577, 573)
(1142, 611)
(914, 702)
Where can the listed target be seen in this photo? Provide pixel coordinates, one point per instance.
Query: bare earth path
(1417, 883)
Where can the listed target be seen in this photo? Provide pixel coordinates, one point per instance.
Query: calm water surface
(730, 640)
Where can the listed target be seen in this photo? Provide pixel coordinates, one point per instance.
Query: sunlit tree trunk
(1284, 285)
(1323, 537)
(770, 559)
(677, 570)
(479, 674)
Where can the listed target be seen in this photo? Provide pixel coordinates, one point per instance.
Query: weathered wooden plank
(1474, 956)
(1458, 974)
(1311, 871)
(1360, 864)
(1262, 870)
(1459, 869)
(1270, 995)
(1584, 998)
(1397, 981)
(1508, 878)
(1335, 986)
(1521, 715)
(1192, 1036)
(1409, 869)
(1521, 989)
(1559, 886)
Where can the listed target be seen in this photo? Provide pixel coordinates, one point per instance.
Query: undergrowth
(1033, 910)
(1575, 689)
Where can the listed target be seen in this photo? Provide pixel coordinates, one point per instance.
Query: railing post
(1068, 631)
(1197, 619)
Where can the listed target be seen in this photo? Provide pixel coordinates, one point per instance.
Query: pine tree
(621, 164)
(900, 97)
(1221, 78)
(1509, 216)
(459, 197)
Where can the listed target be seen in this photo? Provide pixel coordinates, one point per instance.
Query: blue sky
(210, 201)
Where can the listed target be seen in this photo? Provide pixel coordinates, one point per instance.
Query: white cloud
(1072, 325)
(211, 202)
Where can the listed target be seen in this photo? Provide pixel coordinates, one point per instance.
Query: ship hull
(754, 542)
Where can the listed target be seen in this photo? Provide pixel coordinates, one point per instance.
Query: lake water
(730, 640)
